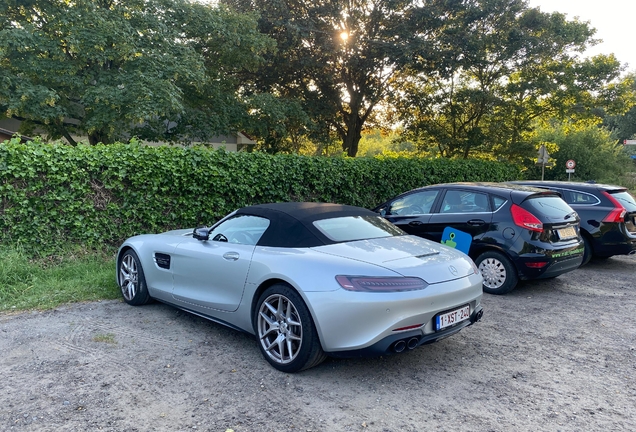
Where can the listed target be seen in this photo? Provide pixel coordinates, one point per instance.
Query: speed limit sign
(570, 164)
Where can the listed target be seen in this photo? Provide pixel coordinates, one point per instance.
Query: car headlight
(380, 284)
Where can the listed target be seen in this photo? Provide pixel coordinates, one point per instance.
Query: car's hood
(408, 256)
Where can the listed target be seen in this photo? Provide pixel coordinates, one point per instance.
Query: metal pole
(542, 170)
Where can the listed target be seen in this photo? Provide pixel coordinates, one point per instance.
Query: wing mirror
(201, 233)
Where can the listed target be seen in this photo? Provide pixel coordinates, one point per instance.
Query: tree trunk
(354, 133)
(98, 137)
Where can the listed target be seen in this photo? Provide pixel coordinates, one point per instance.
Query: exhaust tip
(478, 316)
(412, 343)
(399, 346)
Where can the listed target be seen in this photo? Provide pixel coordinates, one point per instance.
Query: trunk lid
(407, 255)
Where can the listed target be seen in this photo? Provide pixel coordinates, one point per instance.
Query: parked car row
(522, 230)
(311, 280)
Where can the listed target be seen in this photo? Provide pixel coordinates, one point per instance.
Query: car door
(411, 212)
(211, 274)
(462, 209)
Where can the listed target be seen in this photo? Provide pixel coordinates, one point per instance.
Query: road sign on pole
(543, 159)
(570, 164)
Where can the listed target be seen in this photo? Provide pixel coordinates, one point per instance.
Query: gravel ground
(558, 354)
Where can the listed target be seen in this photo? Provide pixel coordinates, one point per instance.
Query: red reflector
(617, 215)
(523, 218)
(537, 264)
(409, 327)
(380, 284)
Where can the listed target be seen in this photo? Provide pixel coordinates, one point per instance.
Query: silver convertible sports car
(310, 280)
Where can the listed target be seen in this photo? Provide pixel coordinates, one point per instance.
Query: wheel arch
(269, 283)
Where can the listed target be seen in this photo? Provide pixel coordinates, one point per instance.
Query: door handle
(231, 256)
(416, 223)
(476, 222)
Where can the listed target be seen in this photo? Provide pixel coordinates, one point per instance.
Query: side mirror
(201, 233)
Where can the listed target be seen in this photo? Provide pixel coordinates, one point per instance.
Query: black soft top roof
(291, 223)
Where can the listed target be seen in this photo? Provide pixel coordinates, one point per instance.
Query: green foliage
(46, 282)
(159, 69)
(97, 195)
(517, 64)
(597, 155)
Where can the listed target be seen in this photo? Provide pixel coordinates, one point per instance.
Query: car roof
(488, 186)
(291, 223)
(587, 186)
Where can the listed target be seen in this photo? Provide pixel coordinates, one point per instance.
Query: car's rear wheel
(500, 276)
(132, 281)
(286, 333)
(587, 252)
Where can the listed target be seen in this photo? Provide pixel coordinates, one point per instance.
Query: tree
(595, 151)
(159, 69)
(513, 64)
(623, 125)
(338, 57)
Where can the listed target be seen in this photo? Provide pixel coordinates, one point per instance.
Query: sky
(614, 21)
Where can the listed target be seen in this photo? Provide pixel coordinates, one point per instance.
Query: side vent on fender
(162, 260)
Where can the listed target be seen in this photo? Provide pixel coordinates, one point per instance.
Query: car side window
(413, 204)
(242, 229)
(498, 202)
(575, 197)
(456, 201)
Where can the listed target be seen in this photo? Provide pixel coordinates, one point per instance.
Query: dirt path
(552, 355)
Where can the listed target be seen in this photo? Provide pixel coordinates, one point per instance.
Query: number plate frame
(566, 233)
(450, 318)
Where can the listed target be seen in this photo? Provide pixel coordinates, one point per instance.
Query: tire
(500, 275)
(131, 279)
(588, 251)
(286, 333)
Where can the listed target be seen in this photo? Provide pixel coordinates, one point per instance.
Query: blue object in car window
(457, 239)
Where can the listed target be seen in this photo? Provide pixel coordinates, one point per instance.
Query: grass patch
(105, 338)
(72, 275)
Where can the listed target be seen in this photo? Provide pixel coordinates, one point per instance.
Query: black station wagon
(607, 212)
(518, 232)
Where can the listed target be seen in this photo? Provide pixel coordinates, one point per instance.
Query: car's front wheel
(500, 276)
(132, 281)
(286, 333)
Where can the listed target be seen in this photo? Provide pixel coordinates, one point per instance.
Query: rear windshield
(353, 228)
(550, 206)
(626, 200)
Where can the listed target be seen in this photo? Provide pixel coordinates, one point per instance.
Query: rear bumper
(626, 246)
(349, 322)
(557, 262)
(407, 341)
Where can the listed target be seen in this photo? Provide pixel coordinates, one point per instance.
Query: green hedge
(102, 194)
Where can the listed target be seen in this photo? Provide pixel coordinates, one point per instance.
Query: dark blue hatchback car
(518, 232)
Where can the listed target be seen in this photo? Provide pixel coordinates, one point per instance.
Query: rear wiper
(568, 216)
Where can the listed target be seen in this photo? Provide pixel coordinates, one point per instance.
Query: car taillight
(380, 284)
(617, 215)
(523, 218)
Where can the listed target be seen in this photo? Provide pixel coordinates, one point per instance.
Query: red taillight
(617, 215)
(523, 218)
(380, 284)
(539, 264)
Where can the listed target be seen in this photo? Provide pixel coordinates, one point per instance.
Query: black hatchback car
(518, 232)
(607, 212)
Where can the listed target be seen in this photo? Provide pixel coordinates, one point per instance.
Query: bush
(98, 195)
